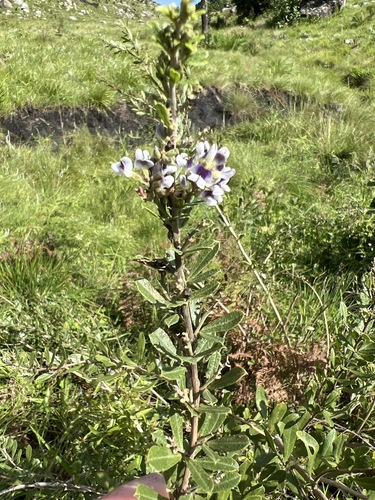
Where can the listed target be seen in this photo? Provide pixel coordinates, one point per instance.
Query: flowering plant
(208, 448)
(204, 175)
(175, 178)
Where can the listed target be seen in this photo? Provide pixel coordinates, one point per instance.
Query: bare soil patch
(209, 110)
(30, 123)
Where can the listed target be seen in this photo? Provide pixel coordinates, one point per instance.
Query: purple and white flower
(162, 177)
(124, 166)
(207, 170)
(143, 160)
(204, 175)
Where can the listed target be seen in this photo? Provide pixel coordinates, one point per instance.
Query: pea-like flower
(204, 175)
(124, 166)
(207, 170)
(142, 162)
(162, 177)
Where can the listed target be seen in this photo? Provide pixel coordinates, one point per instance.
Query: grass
(302, 144)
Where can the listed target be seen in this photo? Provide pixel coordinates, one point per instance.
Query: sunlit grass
(302, 146)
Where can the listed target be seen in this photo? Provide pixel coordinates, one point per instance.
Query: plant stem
(193, 374)
(228, 225)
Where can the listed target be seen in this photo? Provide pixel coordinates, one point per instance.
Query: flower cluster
(203, 175)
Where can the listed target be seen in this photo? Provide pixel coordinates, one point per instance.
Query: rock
(321, 8)
(19, 4)
(38, 13)
(5, 4)
(72, 18)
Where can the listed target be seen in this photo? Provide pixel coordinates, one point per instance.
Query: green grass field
(299, 106)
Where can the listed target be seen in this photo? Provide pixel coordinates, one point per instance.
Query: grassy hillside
(298, 117)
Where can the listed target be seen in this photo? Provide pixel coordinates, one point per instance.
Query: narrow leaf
(212, 339)
(277, 415)
(174, 374)
(172, 320)
(225, 464)
(163, 343)
(235, 443)
(229, 378)
(145, 288)
(289, 440)
(218, 410)
(213, 364)
(366, 482)
(212, 422)
(143, 492)
(327, 448)
(104, 360)
(29, 452)
(141, 344)
(261, 401)
(160, 459)
(312, 447)
(207, 291)
(200, 477)
(201, 278)
(224, 323)
(163, 113)
(177, 423)
(227, 482)
(203, 260)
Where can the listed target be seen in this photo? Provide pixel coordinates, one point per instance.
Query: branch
(228, 225)
(341, 486)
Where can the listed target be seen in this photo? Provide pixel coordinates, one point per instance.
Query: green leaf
(200, 477)
(203, 260)
(174, 374)
(289, 440)
(163, 113)
(212, 422)
(201, 278)
(172, 320)
(225, 464)
(224, 323)
(177, 426)
(223, 410)
(209, 397)
(212, 339)
(143, 492)
(207, 291)
(141, 344)
(261, 401)
(213, 364)
(229, 378)
(29, 452)
(160, 459)
(311, 445)
(175, 75)
(327, 448)
(304, 420)
(160, 340)
(277, 415)
(227, 482)
(145, 288)
(366, 482)
(338, 446)
(43, 377)
(230, 444)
